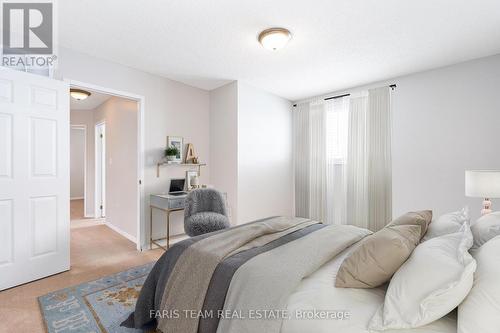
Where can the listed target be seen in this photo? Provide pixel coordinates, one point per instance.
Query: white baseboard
(77, 198)
(121, 232)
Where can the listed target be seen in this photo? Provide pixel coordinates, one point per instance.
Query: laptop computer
(177, 186)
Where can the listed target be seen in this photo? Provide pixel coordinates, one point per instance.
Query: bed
(256, 278)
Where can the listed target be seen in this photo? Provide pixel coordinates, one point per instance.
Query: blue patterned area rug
(95, 307)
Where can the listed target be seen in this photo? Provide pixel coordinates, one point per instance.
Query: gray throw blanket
(262, 286)
(196, 274)
(190, 278)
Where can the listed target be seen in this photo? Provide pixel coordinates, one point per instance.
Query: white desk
(167, 203)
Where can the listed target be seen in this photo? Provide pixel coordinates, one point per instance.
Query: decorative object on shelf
(195, 160)
(192, 179)
(190, 156)
(177, 142)
(483, 184)
(171, 153)
(195, 182)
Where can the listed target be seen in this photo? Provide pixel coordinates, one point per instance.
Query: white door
(100, 170)
(34, 177)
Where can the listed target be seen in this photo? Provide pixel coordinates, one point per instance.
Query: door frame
(99, 148)
(82, 127)
(141, 100)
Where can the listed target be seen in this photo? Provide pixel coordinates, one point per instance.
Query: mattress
(316, 301)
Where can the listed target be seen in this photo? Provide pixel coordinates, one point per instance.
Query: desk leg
(168, 229)
(150, 227)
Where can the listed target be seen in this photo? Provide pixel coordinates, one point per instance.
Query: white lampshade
(482, 183)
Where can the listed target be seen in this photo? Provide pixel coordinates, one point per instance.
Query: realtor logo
(27, 28)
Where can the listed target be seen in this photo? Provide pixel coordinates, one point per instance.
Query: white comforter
(318, 292)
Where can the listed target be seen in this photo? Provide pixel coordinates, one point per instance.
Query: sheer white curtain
(317, 161)
(342, 150)
(320, 154)
(301, 146)
(369, 166)
(357, 159)
(337, 119)
(309, 128)
(379, 137)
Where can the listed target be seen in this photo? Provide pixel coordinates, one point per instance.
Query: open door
(34, 177)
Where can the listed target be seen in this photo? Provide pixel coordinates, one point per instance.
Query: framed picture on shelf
(177, 142)
(192, 179)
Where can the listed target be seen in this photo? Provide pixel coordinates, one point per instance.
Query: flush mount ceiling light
(79, 94)
(275, 38)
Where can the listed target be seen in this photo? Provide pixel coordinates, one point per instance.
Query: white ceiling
(90, 103)
(336, 43)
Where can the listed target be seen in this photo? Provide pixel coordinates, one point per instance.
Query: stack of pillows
(430, 270)
(480, 311)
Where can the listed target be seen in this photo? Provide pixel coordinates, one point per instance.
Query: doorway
(78, 172)
(115, 157)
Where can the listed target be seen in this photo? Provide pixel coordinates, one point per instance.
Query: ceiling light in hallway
(79, 94)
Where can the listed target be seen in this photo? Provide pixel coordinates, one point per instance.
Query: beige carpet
(78, 220)
(76, 209)
(96, 251)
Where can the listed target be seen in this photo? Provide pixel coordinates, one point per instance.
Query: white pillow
(480, 312)
(485, 228)
(431, 283)
(447, 224)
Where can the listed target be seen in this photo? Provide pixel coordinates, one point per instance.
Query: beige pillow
(422, 218)
(378, 257)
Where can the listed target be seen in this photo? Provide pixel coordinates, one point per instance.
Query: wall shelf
(158, 165)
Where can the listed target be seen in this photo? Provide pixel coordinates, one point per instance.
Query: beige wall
(265, 168)
(251, 151)
(77, 163)
(120, 117)
(224, 143)
(86, 118)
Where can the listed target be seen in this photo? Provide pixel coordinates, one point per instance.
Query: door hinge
(140, 182)
(102, 136)
(100, 207)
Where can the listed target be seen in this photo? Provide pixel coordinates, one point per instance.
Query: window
(337, 124)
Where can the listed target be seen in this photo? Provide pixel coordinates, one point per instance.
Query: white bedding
(317, 292)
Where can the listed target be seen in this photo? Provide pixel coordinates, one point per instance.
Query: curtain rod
(392, 86)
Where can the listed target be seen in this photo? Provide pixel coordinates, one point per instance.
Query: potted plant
(171, 153)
